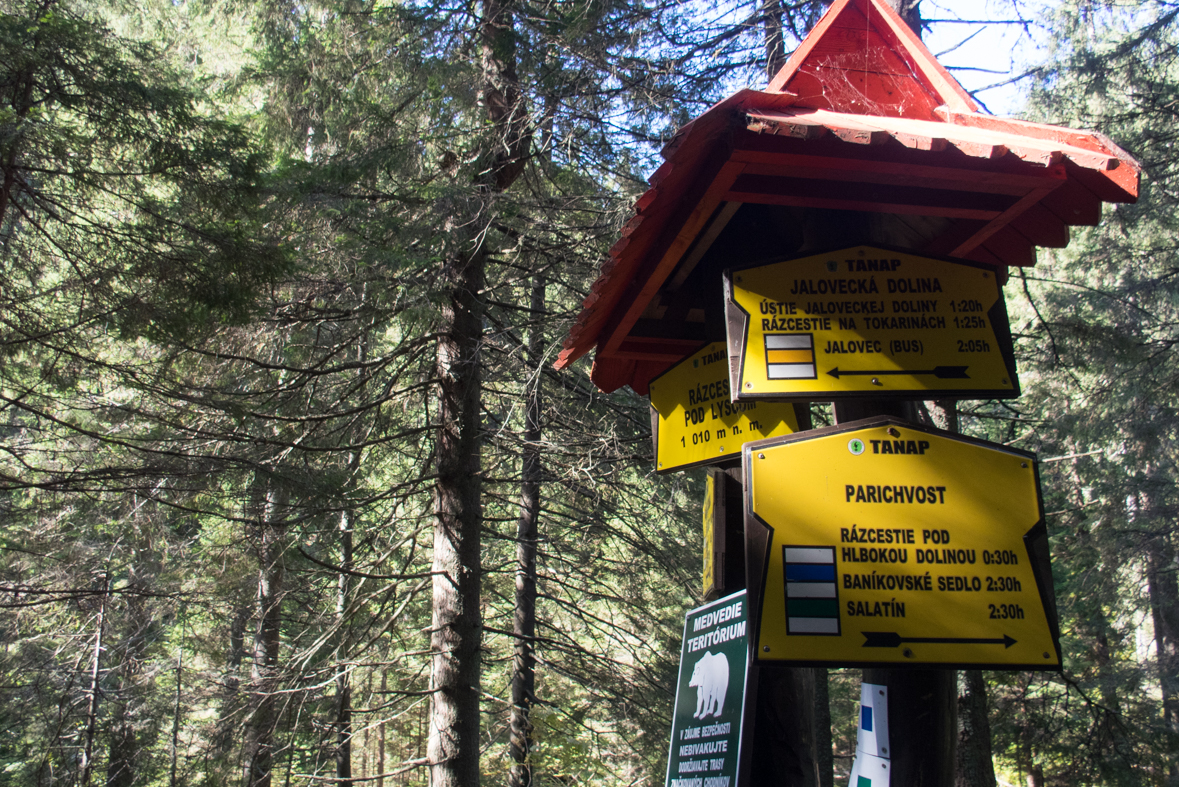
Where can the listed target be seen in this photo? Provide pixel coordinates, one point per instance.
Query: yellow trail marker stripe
(790, 356)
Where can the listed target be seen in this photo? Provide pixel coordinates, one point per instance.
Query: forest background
(289, 491)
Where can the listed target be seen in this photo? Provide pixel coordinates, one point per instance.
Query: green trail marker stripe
(813, 608)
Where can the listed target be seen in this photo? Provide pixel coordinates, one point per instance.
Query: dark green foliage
(121, 202)
(1100, 374)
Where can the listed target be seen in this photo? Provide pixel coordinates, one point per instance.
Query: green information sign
(710, 696)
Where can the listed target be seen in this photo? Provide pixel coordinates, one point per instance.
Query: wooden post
(726, 543)
(791, 725)
(922, 704)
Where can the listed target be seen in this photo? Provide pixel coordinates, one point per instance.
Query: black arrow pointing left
(940, 372)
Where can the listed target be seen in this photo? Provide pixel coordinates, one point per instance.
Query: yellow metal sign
(709, 534)
(892, 544)
(696, 422)
(868, 321)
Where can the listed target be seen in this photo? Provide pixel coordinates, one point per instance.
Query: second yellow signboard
(893, 544)
(868, 322)
(696, 423)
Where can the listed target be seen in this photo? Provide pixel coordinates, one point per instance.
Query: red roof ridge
(1042, 147)
(871, 32)
(1080, 138)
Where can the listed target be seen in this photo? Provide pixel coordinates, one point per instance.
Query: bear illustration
(710, 677)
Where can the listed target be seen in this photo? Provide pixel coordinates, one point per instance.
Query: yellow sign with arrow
(868, 322)
(894, 544)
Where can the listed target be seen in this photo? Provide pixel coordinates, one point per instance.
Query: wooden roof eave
(643, 263)
(686, 157)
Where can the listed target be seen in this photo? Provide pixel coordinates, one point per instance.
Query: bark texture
(174, 746)
(124, 757)
(271, 541)
(975, 766)
(786, 733)
(452, 750)
(527, 533)
(921, 724)
(86, 766)
(343, 709)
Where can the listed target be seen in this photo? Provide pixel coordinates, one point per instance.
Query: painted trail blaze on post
(873, 751)
(710, 696)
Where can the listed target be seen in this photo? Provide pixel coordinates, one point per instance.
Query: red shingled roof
(862, 117)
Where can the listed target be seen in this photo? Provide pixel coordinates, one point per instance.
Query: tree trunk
(125, 748)
(921, 724)
(381, 733)
(261, 723)
(124, 745)
(975, 767)
(174, 751)
(343, 721)
(20, 104)
(524, 619)
(1164, 606)
(343, 705)
(453, 748)
(792, 730)
(86, 767)
(824, 750)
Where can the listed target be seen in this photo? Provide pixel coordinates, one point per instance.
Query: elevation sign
(868, 322)
(895, 544)
(694, 420)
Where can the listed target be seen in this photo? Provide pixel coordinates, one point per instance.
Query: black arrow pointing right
(940, 372)
(891, 639)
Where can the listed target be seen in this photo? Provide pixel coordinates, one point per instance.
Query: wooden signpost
(842, 236)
